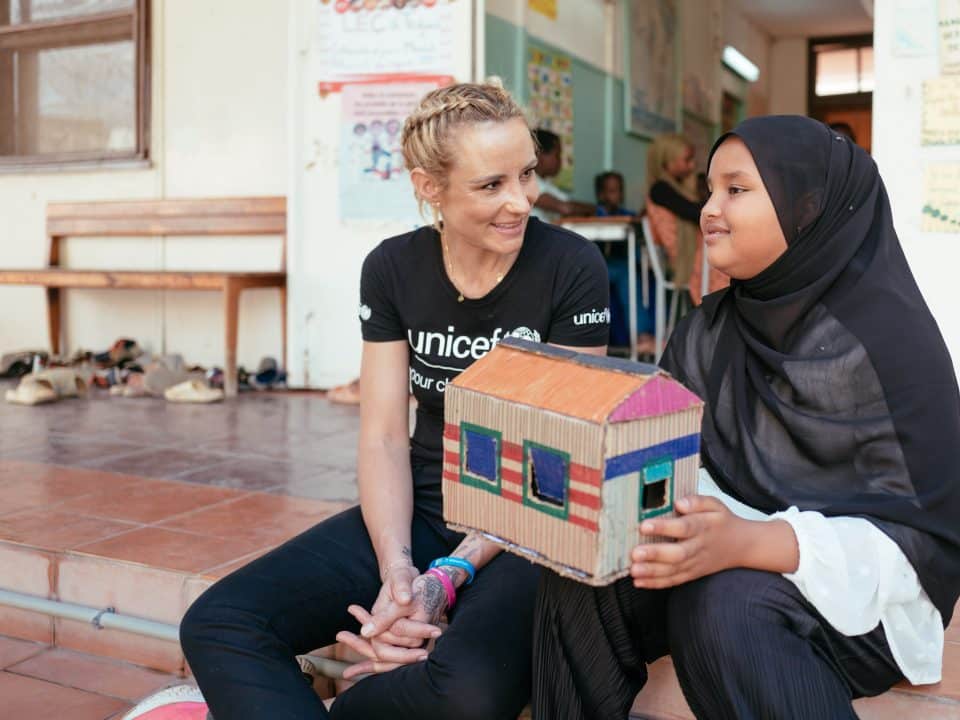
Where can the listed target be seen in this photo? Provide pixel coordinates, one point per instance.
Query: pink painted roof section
(659, 396)
(570, 384)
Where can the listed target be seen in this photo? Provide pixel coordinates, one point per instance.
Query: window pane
(866, 69)
(75, 99)
(837, 72)
(548, 472)
(22, 11)
(481, 452)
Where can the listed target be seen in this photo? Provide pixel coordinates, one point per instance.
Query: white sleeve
(856, 577)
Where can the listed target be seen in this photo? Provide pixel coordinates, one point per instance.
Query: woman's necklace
(453, 274)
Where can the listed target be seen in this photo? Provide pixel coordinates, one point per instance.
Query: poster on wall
(364, 40)
(652, 82)
(700, 94)
(544, 7)
(949, 26)
(941, 199)
(914, 28)
(550, 89)
(373, 182)
(941, 111)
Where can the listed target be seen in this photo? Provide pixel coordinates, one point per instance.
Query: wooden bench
(157, 218)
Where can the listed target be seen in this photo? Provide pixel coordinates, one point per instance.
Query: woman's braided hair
(428, 131)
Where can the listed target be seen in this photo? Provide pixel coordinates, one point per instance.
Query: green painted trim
(476, 480)
(531, 500)
(643, 482)
(520, 64)
(609, 88)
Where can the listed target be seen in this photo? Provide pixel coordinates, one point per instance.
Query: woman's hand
(710, 538)
(394, 633)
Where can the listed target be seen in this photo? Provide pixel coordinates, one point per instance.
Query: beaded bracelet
(447, 585)
(459, 563)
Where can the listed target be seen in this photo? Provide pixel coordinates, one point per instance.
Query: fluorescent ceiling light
(740, 64)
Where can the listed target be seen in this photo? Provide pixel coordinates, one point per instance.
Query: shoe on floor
(180, 702)
(193, 391)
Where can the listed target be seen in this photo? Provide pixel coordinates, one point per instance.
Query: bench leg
(231, 302)
(283, 325)
(53, 319)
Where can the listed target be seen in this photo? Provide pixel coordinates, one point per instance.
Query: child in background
(609, 189)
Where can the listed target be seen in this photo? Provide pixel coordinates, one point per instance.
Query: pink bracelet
(447, 585)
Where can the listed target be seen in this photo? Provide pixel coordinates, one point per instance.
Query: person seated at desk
(609, 189)
(674, 211)
(553, 203)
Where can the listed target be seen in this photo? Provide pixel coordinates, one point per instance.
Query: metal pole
(108, 618)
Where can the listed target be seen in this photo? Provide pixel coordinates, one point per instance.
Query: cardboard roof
(587, 387)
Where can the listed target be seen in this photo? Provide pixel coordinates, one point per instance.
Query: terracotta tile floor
(44, 683)
(140, 504)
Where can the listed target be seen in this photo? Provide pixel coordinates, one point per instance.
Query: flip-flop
(32, 391)
(193, 391)
(66, 382)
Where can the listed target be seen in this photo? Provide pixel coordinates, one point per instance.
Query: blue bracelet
(456, 562)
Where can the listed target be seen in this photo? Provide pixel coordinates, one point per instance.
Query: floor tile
(264, 518)
(60, 451)
(171, 549)
(58, 529)
(149, 501)
(39, 700)
(26, 485)
(147, 652)
(132, 588)
(13, 650)
(155, 463)
(250, 474)
(93, 674)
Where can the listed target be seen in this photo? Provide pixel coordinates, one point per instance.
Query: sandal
(348, 394)
(193, 391)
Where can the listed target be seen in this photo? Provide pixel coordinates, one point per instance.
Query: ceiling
(809, 18)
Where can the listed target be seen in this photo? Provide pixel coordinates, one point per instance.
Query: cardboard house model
(559, 456)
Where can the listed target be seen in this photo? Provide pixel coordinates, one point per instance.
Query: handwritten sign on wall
(941, 199)
(941, 111)
(382, 38)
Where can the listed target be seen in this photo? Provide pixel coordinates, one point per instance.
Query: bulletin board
(550, 93)
(652, 82)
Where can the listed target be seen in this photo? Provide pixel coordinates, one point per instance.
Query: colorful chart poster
(373, 182)
(362, 39)
(544, 7)
(941, 199)
(949, 26)
(550, 89)
(941, 111)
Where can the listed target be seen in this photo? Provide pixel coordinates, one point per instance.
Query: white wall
(755, 44)
(788, 76)
(326, 253)
(218, 128)
(897, 109)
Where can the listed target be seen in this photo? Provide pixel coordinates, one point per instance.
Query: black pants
(746, 646)
(241, 636)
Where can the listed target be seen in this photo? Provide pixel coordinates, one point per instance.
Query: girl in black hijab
(820, 560)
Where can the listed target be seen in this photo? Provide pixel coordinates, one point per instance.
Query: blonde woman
(674, 211)
(432, 301)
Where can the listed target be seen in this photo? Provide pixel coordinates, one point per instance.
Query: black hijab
(827, 382)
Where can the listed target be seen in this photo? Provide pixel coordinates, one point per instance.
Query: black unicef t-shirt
(557, 291)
